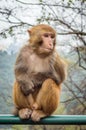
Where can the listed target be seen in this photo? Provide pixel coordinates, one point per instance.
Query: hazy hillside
(6, 81)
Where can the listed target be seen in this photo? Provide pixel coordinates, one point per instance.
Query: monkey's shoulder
(26, 51)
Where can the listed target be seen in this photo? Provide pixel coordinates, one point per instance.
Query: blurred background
(68, 18)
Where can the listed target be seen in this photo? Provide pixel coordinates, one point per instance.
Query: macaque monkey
(39, 73)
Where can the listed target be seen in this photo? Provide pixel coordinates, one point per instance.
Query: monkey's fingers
(26, 91)
(25, 113)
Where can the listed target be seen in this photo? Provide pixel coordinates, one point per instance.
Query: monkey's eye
(46, 35)
(52, 36)
(49, 35)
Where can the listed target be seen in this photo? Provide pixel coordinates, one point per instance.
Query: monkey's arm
(22, 75)
(60, 67)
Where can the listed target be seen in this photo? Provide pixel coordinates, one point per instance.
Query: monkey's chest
(39, 65)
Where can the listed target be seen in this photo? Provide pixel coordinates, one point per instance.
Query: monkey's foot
(25, 113)
(37, 115)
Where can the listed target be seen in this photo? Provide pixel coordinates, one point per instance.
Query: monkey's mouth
(47, 49)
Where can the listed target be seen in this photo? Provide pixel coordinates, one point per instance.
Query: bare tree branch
(74, 95)
(46, 4)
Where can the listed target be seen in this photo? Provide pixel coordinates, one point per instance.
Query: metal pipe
(51, 120)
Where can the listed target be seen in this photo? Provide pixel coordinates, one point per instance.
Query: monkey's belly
(40, 77)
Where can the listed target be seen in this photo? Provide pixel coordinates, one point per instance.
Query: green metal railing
(51, 120)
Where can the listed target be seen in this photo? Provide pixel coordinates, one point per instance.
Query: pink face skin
(48, 41)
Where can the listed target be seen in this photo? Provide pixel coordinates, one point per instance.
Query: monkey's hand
(27, 89)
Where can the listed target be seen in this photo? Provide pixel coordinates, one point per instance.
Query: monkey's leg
(47, 99)
(21, 102)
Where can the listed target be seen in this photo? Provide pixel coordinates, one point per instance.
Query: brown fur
(39, 75)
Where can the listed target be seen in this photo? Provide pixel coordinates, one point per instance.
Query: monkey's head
(42, 39)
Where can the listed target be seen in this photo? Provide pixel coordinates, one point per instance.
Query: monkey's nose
(50, 44)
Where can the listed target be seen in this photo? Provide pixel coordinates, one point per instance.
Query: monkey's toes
(37, 115)
(25, 113)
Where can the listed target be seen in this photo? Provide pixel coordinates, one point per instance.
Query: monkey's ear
(29, 31)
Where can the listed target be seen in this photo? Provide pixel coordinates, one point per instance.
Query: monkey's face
(48, 39)
(43, 39)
